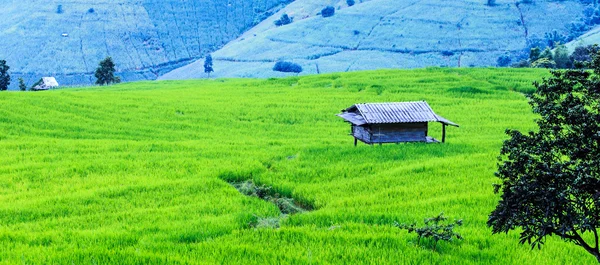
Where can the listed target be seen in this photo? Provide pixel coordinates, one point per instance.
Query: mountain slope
(67, 39)
(392, 34)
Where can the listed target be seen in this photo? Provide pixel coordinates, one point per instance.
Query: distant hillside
(391, 34)
(590, 38)
(146, 38)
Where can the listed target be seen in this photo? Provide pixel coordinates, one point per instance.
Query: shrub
(544, 63)
(436, 228)
(328, 11)
(287, 67)
(91, 10)
(284, 20)
(491, 2)
(503, 61)
(521, 64)
(350, 2)
(59, 9)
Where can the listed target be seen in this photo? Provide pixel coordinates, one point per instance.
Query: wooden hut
(397, 122)
(45, 83)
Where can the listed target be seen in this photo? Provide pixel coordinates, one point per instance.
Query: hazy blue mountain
(391, 34)
(146, 38)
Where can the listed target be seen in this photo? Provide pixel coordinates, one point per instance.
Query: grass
(137, 173)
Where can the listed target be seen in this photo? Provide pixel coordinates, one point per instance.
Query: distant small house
(45, 83)
(396, 122)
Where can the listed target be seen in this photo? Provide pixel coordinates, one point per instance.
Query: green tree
(534, 54)
(547, 53)
(4, 76)
(105, 73)
(350, 2)
(491, 2)
(561, 57)
(208, 65)
(22, 85)
(544, 63)
(551, 176)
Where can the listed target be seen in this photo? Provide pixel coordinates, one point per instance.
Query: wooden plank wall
(392, 133)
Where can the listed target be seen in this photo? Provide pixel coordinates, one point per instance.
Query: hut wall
(402, 132)
(362, 133)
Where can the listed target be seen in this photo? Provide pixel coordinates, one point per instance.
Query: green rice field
(138, 173)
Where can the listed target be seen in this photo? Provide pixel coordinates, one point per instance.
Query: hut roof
(393, 112)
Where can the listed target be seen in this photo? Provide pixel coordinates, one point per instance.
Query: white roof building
(46, 83)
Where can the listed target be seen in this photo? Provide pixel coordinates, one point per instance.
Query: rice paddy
(138, 173)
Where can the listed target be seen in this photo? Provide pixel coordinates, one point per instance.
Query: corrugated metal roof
(393, 112)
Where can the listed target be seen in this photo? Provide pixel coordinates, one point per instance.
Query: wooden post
(355, 141)
(443, 133)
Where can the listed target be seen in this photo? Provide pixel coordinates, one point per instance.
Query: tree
(582, 55)
(105, 73)
(208, 65)
(4, 76)
(491, 2)
(544, 63)
(350, 2)
(22, 85)
(504, 60)
(547, 53)
(287, 67)
(561, 57)
(283, 20)
(551, 177)
(534, 54)
(328, 11)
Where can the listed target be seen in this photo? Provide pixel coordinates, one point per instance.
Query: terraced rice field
(138, 173)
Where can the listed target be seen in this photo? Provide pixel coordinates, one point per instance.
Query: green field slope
(136, 173)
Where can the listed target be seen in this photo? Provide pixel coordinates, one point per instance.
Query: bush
(350, 2)
(284, 20)
(521, 64)
(544, 63)
(328, 11)
(287, 67)
(91, 10)
(491, 2)
(59, 9)
(435, 228)
(503, 61)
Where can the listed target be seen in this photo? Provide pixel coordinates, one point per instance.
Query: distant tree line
(559, 58)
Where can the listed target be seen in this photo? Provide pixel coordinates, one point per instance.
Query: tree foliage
(350, 2)
(328, 11)
(437, 228)
(287, 67)
(4, 76)
(561, 57)
(22, 85)
(208, 65)
(105, 73)
(551, 177)
(283, 20)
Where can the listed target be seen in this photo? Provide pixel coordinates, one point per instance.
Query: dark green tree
(328, 11)
(547, 53)
(350, 2)
(22, 85)
(534, 54)
(283, 20)
(561, 57)
(105, 73)
(551, 176)
(208, 65)
(4, 76)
